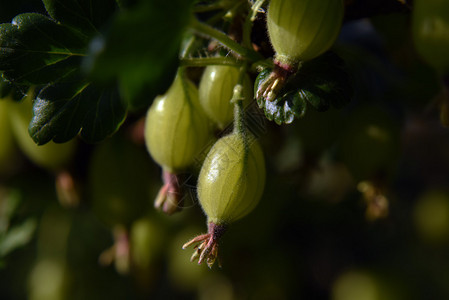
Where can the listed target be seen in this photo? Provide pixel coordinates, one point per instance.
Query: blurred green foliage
(356, 204)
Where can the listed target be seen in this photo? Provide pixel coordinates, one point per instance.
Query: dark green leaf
(5, 89)
(36, 50)
(326, 80)
(285, 109)
(322, 83)
(315, 96)
(9, 89)
(9, 9)
(141, 49)
(64, 109)
(87, 16)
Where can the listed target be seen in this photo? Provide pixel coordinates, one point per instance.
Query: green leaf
(321, 83)
(140, 49)
(36, 50)
(86, 16)
(66, 108)
(326, 82)
(9, 9)
(9, 204)
(17, 236)
(285, 109)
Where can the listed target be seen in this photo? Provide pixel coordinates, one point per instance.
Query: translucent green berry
(215, 92)
(301, 30)
(232, 179)
(176, 128)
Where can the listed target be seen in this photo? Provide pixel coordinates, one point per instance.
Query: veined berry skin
(176, 128)
(430, 28)
(232, 179)
(215, 93)
(301, 30)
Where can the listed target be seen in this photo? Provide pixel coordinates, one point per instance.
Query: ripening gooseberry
(230, 185)
(176, 130)
(215, 93)
(301, 30)
(232, 179)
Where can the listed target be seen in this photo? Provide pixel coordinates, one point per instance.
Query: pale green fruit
(301, 30)
(356, 286)
(232, 179)
(176, 128)
(48, 280)
(431, 215)
(51, 156)
(7, 148)
(364, 285)
(430, 28)
(119, 180)
(216, 90)
(146, 242)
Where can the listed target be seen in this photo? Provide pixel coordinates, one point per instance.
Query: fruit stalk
(208, 61)
(225, 40)
(237, 99)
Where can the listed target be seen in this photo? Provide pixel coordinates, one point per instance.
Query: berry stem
(184, 81)
(255, 9)
(247, 28)
(239, 113)
(211, 32)
(237, 100)
(209, 61)
(188, 47)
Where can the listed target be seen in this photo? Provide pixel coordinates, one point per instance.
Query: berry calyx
(206, 245)
(170, 196)
(270, 87)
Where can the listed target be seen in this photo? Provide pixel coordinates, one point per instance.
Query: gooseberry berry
(215, 92)
(230, 185)
(176, 130)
